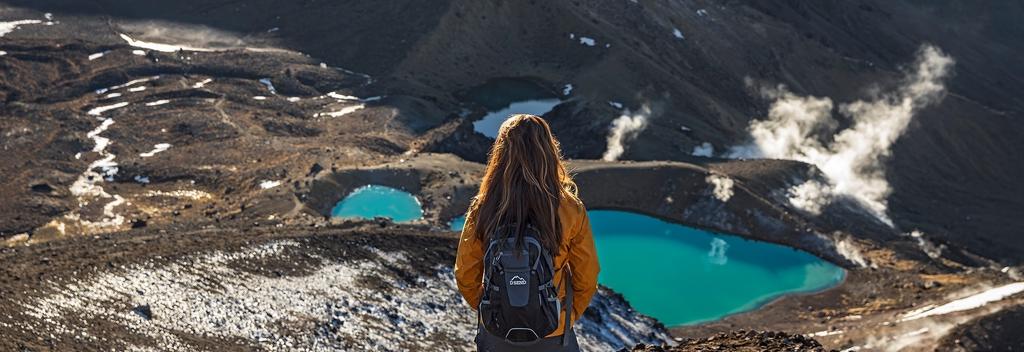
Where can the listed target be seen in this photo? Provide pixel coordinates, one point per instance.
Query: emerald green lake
(682, 275)
(374, 200)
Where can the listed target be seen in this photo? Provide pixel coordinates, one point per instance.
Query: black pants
(487, 342)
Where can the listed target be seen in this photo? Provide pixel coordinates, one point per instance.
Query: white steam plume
(722, 186)
(625, 128)
(853, 161)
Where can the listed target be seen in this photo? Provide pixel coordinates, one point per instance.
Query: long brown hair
(525, 181)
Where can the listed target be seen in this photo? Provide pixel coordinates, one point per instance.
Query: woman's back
(526, 183)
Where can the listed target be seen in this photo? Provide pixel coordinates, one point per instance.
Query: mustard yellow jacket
(577, 250)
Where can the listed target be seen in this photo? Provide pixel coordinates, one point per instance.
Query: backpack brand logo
(517, 281)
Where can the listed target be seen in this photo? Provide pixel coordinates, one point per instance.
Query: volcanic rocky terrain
(169, 168)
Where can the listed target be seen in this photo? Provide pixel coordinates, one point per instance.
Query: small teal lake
(374, 200)
(682, 275)
(457, 223)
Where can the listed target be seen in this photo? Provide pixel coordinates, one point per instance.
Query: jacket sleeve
(469, 265)
(584, 266)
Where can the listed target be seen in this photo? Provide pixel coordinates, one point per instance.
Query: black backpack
(520, 301)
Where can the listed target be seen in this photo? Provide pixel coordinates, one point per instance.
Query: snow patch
(970, 302)
(677, 33)
(269, 84)
(97, 55)
(156, 149)
(268, 184)
(8, 27)
(186, 193)
(102, 109)
(161, 47)
(158, 102)
(567, 89)
(202, 83)
(344, 111)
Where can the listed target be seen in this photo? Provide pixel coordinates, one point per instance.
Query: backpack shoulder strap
(568, 303)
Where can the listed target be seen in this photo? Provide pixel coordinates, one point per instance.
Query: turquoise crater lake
(372, 201)
(682, 275)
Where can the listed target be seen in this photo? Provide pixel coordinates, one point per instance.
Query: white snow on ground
(268, 184)
(156, 149)
(167, 48)
(722, 186)
(2, 53)
(338, 96)
(825, 333)
(615, 104)
(270, 85)
(677, 33)
(188, 193)
(202, 83)
(329, 308)
(970, 302)
(293, 99)
(344, 111)
(137, 89)
(587, 41)
(102, 109)
(158, 102)
(260, 97)
(139, 52)
(98, 55)
(111, 95)
(702, 12)
(86, 187)
(567, 89)
(141, 179)
(126, 84)
(704, 149)
(7, 27)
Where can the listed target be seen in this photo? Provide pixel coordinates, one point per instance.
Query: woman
(526, 183)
